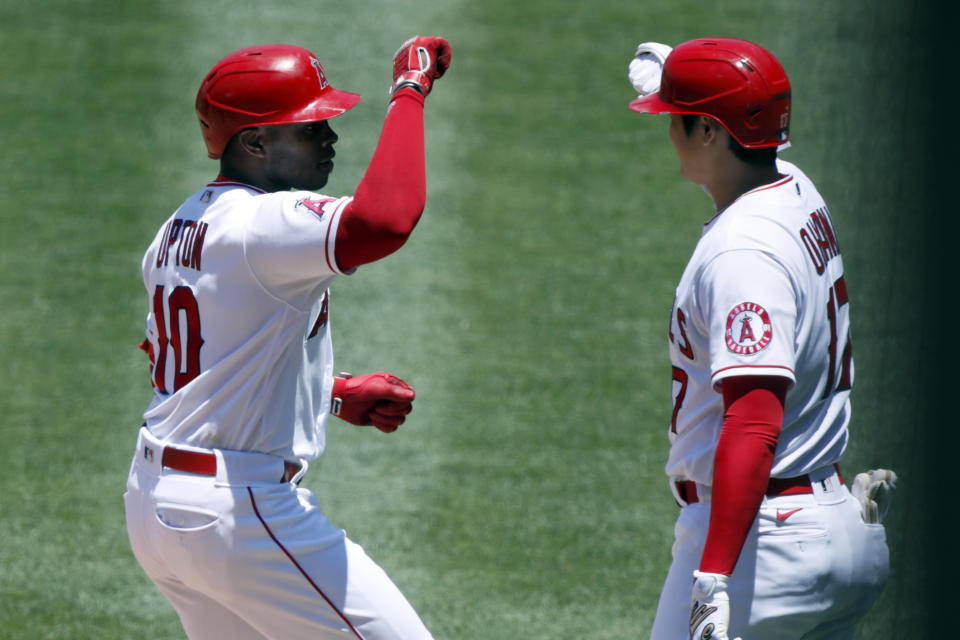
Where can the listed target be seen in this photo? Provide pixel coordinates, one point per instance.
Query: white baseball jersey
(239, 334)
(763, 294)
(239, 329)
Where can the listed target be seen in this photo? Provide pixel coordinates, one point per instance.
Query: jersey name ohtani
(818, 237)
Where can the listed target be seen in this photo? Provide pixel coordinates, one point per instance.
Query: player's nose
(331, 137)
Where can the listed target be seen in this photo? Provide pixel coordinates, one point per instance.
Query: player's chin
(317, 179)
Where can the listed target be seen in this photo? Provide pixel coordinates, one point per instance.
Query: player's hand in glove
(874, 490)
(646, 67)
(710, 612)
(380, 399)
(419, 62)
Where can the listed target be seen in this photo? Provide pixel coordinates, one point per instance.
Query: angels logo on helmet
(320, 74)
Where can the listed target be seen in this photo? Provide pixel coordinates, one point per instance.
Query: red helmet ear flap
(263, 85)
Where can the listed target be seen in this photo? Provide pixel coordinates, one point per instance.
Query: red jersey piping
(302, 571)
(772, 185)
(227, 182)
(753, 366)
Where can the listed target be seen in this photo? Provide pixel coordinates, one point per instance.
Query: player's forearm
(745, 451)
(390, 199)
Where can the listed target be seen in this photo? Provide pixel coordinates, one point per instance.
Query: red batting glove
(380, 399)
(418, 62)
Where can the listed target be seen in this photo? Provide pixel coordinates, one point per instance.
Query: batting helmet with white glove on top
(647, 65)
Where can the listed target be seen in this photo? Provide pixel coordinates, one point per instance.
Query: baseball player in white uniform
(769, 542)
(238, 334)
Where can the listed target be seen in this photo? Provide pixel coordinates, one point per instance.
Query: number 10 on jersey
(177, 318)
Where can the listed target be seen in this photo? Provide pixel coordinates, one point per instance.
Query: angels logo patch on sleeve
(748, 329)
(315, 204)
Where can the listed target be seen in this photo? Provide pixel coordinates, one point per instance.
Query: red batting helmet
(269, 84)
(734, 81)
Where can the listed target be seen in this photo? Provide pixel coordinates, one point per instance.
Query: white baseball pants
(242, 555)
(810, 568)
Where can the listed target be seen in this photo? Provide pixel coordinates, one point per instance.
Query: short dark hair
(760, 157)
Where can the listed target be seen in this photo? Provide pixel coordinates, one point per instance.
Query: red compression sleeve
(390, 198)
(752, 419)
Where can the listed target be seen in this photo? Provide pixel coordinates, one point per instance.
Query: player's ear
(251, 141)
(709, 129)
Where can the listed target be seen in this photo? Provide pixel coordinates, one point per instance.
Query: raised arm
(391, 196)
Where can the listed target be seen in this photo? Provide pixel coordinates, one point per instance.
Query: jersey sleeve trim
(331, 241)
(752, 370)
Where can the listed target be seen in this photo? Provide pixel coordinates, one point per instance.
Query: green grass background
(525, 496)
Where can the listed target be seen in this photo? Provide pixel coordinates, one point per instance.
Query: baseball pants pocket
(184, 519)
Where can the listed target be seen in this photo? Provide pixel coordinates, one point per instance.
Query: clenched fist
(646, 67)
(419, 61)
(380, 399)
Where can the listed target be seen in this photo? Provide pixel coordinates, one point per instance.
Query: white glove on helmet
(646, 66)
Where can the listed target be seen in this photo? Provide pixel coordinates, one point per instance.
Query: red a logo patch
(316, 205)
(745, 322)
